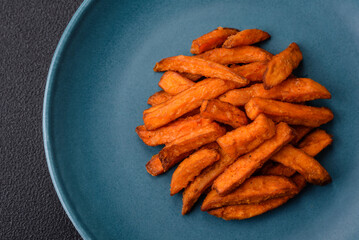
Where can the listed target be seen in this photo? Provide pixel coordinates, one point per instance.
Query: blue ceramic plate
(98, 85)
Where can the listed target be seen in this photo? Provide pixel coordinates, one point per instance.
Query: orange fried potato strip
(282, 65)
(191, 167)
(223, 112)
(244, 211)
(154, 166)
(246, 165)
(246, 37)
(174, 83)
(199, 66)
(158, 98)
(246, 138)
(290, 113)
(244, 54)
(185, 102)
(313, 144)
(211, 40)
(306, 165)
(254, 72)
(291, 90)
(180, 148)
(203, 181)
(300, 132)
(254, 190)
(171, 131)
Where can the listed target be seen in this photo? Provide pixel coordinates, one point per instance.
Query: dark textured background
(29, 33)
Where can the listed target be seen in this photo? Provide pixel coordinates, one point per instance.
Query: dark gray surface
(29, 33)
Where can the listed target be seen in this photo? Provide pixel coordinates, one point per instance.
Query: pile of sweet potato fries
(233, 117)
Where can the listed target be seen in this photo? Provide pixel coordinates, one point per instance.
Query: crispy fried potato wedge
(223, 112)
(183, 146)
(315, 142)
(174, 83)
(244, 54)
(306, 165)
(246, 165)
(246, 138)
(244, 211)
(282, 65)
(290, 113)
(185, 102)
(203, 181)
(171, 131)
(191, 167)
(311, 145)
(158, 98)
(154, 166)
(211, 40)
(196, 65)
(254, 72)
(245, 37)
(300, 132)
(291, 90)
(254, 190)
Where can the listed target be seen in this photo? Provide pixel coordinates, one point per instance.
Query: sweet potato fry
(315, 142)
(244, 54)
(192, 77)
(307, 166)
(174, 83)
(183, 146)
(196, 65)
(246, 138)
(254, 72)
(254, 190)
(244, 211)
(300, 132)
(203, 181)
(223, 112)
(211, 40)
(290, 113)
(154, 166)
(282, 65)
(245, 37)
(291, 90)
(158, 98)
(191, 167)
(311, 145)
(185, 102)
(171, 131)
(246, 165)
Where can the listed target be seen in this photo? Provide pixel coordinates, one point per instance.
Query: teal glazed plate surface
(101, 77)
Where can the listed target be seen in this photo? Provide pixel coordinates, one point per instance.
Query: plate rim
(46, 120)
